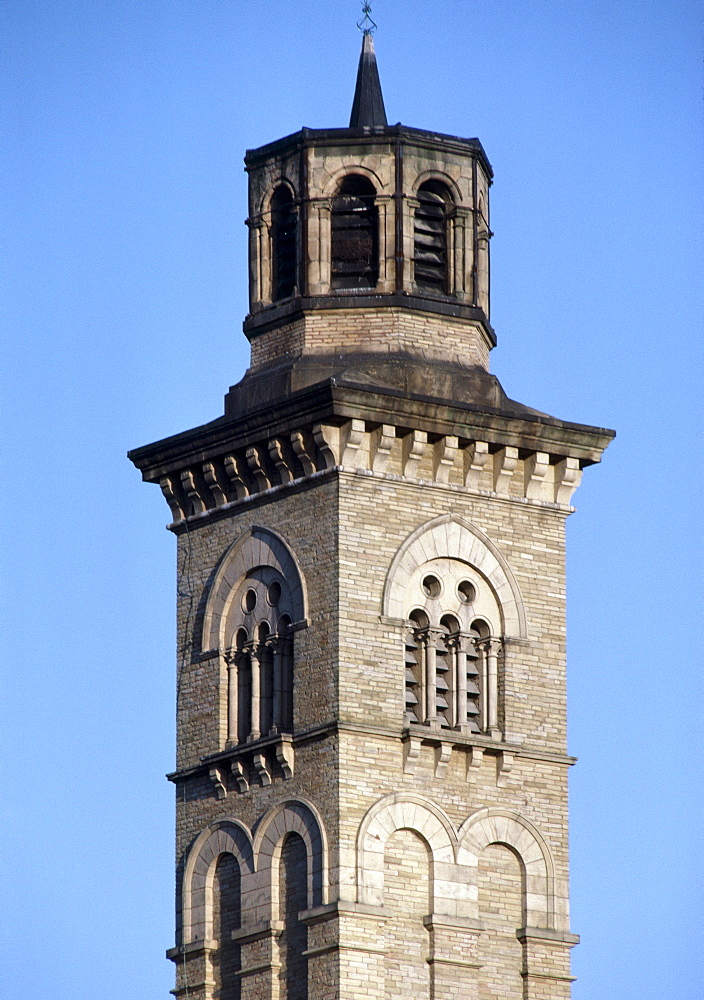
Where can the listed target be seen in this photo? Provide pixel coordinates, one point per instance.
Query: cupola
(372, 238)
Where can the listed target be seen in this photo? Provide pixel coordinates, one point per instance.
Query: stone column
(232, 698)
(255, 658)
(490, 649)
(430, 638)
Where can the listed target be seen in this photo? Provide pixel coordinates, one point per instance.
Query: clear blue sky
(124, 125)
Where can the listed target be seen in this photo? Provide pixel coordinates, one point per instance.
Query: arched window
(451, 659)
(241, 680)
(430, 235)
(260, 674)
(283, 677)
(415, 667)
(355, 234)
(284, 225)
(293, 897)
(226, 918)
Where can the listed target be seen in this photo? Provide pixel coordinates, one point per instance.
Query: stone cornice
(271, 748)
(331, 427)
(336, 401)
(342, 137)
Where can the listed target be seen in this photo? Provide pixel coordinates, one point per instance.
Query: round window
(431, 586)
(249, 602)
(273, 594)
(467, 591)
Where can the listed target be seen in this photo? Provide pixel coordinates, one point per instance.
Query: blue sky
(124, 288)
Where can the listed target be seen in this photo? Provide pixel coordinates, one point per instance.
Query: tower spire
(368, 106)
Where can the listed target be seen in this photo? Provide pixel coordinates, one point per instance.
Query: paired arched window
(260, 662)
(430, 238)
(355, 234)
(284, 238)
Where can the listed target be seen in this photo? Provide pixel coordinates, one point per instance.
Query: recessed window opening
(355, 234)
(430, 235)
(274, 593)
(283, 678)
(414, 667)
(284, 235)
(431, 586)
(467, 591)
(249, 601)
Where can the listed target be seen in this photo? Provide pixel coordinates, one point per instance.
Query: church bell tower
(371, 780)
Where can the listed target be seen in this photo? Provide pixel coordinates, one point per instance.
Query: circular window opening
(273, 594)
(249, 602)
(431, 586)
(467, 591)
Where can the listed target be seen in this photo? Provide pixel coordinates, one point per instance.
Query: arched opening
(355, 234)
(284, 676)
(266, 672)
(415, 667)
(284, 235)
(478, 707)
(430, 238)
(227, 910)
(244, 687)
(293, 898)
(501, 888)
(407, 881)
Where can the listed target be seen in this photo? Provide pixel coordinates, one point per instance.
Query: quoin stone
(371, 781)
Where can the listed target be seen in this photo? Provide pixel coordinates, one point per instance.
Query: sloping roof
(368, 106)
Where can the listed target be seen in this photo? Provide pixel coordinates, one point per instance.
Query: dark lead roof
(368, 106)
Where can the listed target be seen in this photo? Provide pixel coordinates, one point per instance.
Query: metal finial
(366, 24)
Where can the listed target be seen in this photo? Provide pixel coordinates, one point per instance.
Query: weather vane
(366, 25)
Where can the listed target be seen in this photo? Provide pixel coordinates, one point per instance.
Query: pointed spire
(368, 106)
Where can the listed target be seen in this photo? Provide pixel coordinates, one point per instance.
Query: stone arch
(257, 546)
(405, 811)
(224, 837)
(334, 180)
(454, 537)
(502, 826)
(292, 816)
(438, 175)
(281, 181)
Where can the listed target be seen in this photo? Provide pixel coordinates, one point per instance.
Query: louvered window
(443, 679)
(415, 666)
(430, 232)
(473, 692)
(414, 674)
(355, 235)
(260, 664)
(283, 239)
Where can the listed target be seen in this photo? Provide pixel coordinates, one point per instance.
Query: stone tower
(372, 768)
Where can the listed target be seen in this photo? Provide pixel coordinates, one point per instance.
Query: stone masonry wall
(374, 330)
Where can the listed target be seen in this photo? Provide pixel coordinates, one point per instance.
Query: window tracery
(451, 649)
(260, 658)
